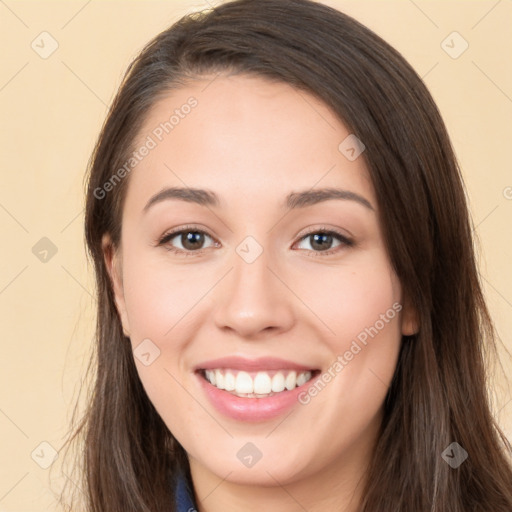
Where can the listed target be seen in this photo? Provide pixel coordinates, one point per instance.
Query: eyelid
(326, 229)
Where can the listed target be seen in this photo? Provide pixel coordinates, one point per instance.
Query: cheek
(351, 300)
(159, 297)
(362, 309)
(160, 302)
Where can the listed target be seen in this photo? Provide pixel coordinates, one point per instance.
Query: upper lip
(252, 365)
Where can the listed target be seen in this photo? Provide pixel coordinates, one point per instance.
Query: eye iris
(192, 240)
(321, 241)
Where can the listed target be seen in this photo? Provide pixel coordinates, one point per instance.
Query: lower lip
(252, 409)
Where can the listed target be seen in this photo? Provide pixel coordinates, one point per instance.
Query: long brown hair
(439, 391)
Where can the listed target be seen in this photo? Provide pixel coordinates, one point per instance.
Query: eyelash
(345, 241)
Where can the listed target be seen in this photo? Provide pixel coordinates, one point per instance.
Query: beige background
(51, 112)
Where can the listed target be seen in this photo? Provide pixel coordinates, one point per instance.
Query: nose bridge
(253, 299)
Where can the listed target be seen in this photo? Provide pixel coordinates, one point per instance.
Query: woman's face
(273, 281)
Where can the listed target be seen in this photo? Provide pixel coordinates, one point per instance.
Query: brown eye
(321, 241)
(192, 240)
(185, 241)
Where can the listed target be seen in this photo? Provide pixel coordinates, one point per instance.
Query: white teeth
(210, 375)
(242, 384)
(278, 382)
(291, 381)
(302, 378)
(219, 379)
(262, 383)
(229, 381)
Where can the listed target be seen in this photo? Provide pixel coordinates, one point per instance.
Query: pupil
(319, 238)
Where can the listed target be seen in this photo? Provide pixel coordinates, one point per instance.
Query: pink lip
(251, 409)
(252, 365)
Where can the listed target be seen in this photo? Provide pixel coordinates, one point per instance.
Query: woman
(289, 311)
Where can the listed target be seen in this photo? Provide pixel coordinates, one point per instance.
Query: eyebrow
(293, 200)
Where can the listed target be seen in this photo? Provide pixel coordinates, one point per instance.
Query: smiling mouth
(261, 384)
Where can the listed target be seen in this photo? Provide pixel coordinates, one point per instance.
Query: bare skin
(253, 142)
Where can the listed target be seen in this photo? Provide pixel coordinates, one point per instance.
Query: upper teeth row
(262, 383)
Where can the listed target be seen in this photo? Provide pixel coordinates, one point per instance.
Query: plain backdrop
(61, 65)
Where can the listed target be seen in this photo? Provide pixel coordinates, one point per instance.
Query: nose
(254, 299)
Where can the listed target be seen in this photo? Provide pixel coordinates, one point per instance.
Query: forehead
(245, 137)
